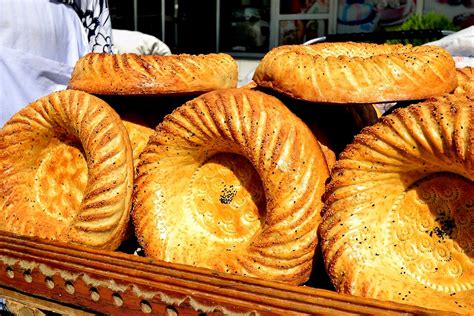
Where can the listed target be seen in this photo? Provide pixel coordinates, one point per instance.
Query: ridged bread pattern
(132, 74)
(465, 80)
(232, 181)
(66, 171)
(357, 72)
(398, 222)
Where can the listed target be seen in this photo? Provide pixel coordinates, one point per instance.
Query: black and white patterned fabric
(95, 16)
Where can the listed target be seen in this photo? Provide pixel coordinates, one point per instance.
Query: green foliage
(430, 20)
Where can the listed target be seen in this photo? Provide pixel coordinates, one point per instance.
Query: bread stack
(67, 160)
(145, 88)
(398, 219)
(233, 180)
(339, 88)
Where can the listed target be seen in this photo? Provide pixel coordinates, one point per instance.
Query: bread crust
(232, 181)
(357, 72)
(138, 135)
(132, 74)
(398, 216)
(465, 80)
(66, 171)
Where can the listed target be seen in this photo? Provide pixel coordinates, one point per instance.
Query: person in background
(126, 41)
(40, 42)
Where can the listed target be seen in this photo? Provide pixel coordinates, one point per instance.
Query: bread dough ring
(208, 174)
(399, 210)
(66, 171)
(357, 72)
(131, 74)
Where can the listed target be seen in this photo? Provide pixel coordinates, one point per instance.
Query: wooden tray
(117, 283)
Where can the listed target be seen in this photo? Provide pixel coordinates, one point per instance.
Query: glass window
(244, 26)
(304, 6)
(460, 12)
(300, 31)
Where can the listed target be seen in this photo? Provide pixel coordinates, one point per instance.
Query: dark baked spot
(227, 194)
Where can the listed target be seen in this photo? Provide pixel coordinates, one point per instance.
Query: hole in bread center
(432, 231)
(228, 196)
(61, 179)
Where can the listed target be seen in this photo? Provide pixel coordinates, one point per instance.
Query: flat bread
(66, 171)
(399, 210)
(357, 72)
(131, 74)
(232, 181)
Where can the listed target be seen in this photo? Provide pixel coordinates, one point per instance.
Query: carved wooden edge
(112, 282)
(35, 304)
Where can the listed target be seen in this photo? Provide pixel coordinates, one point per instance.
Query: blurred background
(249, 28)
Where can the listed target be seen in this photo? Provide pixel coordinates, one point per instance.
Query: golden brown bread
(465, 80)
(398, 217)
(138, 135)
(324, 143)
(357, 72)
(329, 155)
(131, 74)
(250, 85)
(66, 171)
(232, 181)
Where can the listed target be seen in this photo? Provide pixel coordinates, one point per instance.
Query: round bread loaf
(232, 181)
(398, 222)
(66, 171)
(357, 72)
(131, 74)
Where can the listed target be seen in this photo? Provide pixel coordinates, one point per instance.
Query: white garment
(45, 28)
(40, 42)
(460, 45)
(26, 77)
